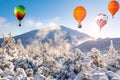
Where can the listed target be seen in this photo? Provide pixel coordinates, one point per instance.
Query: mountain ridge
(100, 44)
(49, 33)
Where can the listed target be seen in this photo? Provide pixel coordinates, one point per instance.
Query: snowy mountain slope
(73, 36)
(101, 44)
(26, 37)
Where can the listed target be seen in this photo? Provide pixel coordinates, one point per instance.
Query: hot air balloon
(101, 20)
(113, 7)
(79, 14)
(20, 12)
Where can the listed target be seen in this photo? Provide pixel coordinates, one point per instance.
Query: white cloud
(5, 26)
(53, 26)
(38, 24)
(56, 19)
(29, 24)
(44, 31)
(51, 22)
(8, 26)
(4, 23)
(32, 23)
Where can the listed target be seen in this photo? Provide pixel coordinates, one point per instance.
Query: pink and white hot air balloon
(101, 20)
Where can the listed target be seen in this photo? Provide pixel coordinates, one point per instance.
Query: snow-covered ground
(46, 62)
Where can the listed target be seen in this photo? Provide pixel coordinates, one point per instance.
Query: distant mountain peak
(45, 34)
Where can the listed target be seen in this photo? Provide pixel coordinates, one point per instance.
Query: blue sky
(41, 13)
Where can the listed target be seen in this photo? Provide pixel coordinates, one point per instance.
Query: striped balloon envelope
(101, 20)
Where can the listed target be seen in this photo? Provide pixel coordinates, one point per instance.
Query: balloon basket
(19, 25)
(79, 25)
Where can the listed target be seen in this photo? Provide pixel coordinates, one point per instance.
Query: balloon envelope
(101, 20)
(113, 7)
(79, 14)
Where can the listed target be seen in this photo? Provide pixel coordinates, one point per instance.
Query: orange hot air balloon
(113, 7)
(79, 14)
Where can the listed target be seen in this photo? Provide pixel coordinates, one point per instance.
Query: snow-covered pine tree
(20, 48)
(78, 55)
(112, 52)
(111, 55)
(97, 58)
(9, 47)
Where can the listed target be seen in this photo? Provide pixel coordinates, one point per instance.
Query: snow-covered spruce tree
(78, 55)
(112, 53)
(9, 47)
(97, 58)
(76, 59)
(112, 50)
(21, 50)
